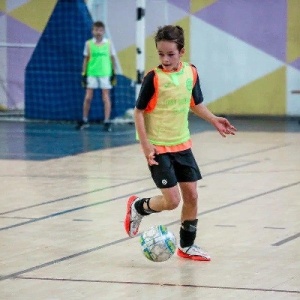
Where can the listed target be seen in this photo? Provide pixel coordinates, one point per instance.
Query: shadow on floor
(26, 140)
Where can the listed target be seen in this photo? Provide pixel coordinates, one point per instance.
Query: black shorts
(175, 167)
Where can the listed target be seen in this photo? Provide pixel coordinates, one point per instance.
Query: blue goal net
(53, 75)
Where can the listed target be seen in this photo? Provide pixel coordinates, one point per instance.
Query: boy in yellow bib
(97, 72)
(167, 94)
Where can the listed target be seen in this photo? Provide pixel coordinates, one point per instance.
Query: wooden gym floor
(63, 199)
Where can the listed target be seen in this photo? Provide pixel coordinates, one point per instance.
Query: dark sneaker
(107, 127)
(193, 252)
(81, 125)
(133, 218)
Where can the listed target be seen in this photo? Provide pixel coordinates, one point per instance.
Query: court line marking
(245, 199)
(286, 240)
(146, 178)
(165, 284)
(17, 218)
(247, 154)
(67, 211)
(271, 227)
(105, 201)
(59, 260)
(71, 197)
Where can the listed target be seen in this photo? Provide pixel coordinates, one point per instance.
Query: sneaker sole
(192, 257)
(128, 215)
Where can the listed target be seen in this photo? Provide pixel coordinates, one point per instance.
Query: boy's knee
(173, 204)
(191, 199)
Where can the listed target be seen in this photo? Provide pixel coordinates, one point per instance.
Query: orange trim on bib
(167, 149)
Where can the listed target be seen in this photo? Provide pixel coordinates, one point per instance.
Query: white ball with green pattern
(158, 243)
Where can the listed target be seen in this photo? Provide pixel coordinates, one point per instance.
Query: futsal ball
(158, 243)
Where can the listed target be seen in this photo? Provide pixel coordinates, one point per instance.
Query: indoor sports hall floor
(63, 200)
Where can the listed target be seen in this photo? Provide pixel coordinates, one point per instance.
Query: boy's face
(169, 55)
(98, 32)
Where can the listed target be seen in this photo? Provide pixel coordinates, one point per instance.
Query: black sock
(139, 206)
(188, 232)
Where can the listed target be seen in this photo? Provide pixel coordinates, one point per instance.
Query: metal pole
(140, 43)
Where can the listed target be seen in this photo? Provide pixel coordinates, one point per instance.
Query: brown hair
(98, 24)
(170, 33)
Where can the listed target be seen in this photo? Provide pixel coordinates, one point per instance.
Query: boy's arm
(221, 124)
(148, 148)
(113, 63)
(199, 109)
(85, 58)
(112, 57)
(84, 65)
(113, 79)
(146, 92)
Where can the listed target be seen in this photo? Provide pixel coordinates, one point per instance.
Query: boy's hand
(224, 127)
(151, 159)
(83, 80)
(150, 153)
(113, 78)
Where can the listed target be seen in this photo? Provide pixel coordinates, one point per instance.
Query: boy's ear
(182, 51)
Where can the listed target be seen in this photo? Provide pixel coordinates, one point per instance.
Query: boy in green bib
(97, 72)
(167, 95)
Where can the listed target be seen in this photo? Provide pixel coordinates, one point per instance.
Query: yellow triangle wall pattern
(264, 96)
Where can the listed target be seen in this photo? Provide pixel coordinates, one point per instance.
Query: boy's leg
(86, 109)
(138, 208)
(190, 200)
(164, 177)
(107, 109)
(188, 229)
(87, 103)
(107, 104)
(133, 217)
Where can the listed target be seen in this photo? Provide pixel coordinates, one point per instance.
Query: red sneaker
(133, 218)
(193, 252)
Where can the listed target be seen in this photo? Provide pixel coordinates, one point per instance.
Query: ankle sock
(139, 206)
(188, 232)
